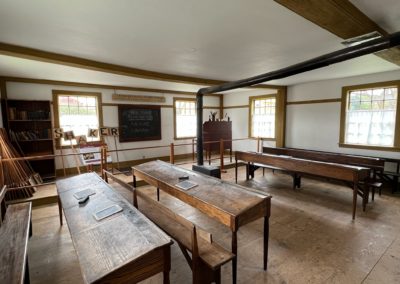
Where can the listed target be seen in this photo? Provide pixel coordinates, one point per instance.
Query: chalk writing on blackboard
(139, 122)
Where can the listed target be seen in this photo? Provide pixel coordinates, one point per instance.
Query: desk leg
(234, 260)
(134, 181)
(365, 196)
(167, 264)
(354, 199)
(60, 210)
(236, 170)
(247, 170)
(266, 237)
(158, 194)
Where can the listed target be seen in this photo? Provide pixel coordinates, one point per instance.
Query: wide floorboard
(312, 238)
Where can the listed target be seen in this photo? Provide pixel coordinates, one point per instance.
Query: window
(77, 111)
(262, 116)
(369, 115)
(185, 118)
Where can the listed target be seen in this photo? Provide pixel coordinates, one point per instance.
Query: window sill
(263, 138)
(367, 147)
(184, 138)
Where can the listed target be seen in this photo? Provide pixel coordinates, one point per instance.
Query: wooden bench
(206, 258)
(357, 178)
(15, 230)
(375, 164)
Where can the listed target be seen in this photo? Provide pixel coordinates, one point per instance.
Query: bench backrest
(109, 175)
(374, 163)
(188, 235)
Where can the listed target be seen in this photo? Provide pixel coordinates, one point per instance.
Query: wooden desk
(123, 248)
(352, 174)
(230, 204)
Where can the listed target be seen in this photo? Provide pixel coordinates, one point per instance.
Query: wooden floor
(312, 238)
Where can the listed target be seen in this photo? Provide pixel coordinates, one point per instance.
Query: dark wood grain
(354, 175)
(107, 248)
(14, 235)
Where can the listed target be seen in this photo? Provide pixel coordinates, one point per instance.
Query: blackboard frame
(155, 136)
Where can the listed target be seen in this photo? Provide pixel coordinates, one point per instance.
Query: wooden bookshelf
(29, 126)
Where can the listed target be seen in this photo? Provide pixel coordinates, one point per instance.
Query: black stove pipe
(368, 47)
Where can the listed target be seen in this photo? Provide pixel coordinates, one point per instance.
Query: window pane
(371, 121)
(78, 113)
(185, 118)
(263, 118)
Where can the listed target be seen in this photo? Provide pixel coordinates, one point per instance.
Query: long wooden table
(375, 164)
(123, 248)
(357, 176)
(230, 204)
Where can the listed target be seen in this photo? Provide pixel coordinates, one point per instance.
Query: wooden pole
(62, 156)
(76, 157)
(116, 150)
(105, 157)
(221, 153)
(171, 154)
(193, 156)
(101, 162)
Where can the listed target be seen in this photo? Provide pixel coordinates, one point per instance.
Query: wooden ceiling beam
(341, 18)
(56, 58)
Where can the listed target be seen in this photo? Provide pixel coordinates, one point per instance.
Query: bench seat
(14, 235)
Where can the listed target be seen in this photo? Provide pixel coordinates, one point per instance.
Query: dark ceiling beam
(341, 18)
(312, 64)
(56, 58)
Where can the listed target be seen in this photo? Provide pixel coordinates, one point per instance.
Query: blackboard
(139, 122)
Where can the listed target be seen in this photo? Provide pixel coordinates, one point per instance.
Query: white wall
(316, 126)
(240, 118)
(29, 91)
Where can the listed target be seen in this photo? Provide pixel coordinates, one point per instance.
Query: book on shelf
(28, 115)
(29, 135)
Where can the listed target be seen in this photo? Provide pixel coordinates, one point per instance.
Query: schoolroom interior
(199, 141)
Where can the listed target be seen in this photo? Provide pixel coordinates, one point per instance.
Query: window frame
(57, 93)
(175, 99)
(345, 93)
(277, 111)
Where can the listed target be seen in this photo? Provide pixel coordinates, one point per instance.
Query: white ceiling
(225, 39)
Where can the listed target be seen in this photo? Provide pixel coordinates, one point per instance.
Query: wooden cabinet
(214, 131)
(29, 126)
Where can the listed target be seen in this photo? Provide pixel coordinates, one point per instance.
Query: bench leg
(266, 237)
(26, 276)
(373, 193)
(354, 199)
(60, 210)
(365, 196)
(234, 260)
(167, 265)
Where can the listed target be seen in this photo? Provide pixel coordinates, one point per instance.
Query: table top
(318, 168)
(219, 199)
(106, 246)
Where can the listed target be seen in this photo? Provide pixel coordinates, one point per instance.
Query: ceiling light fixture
(361, 39)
